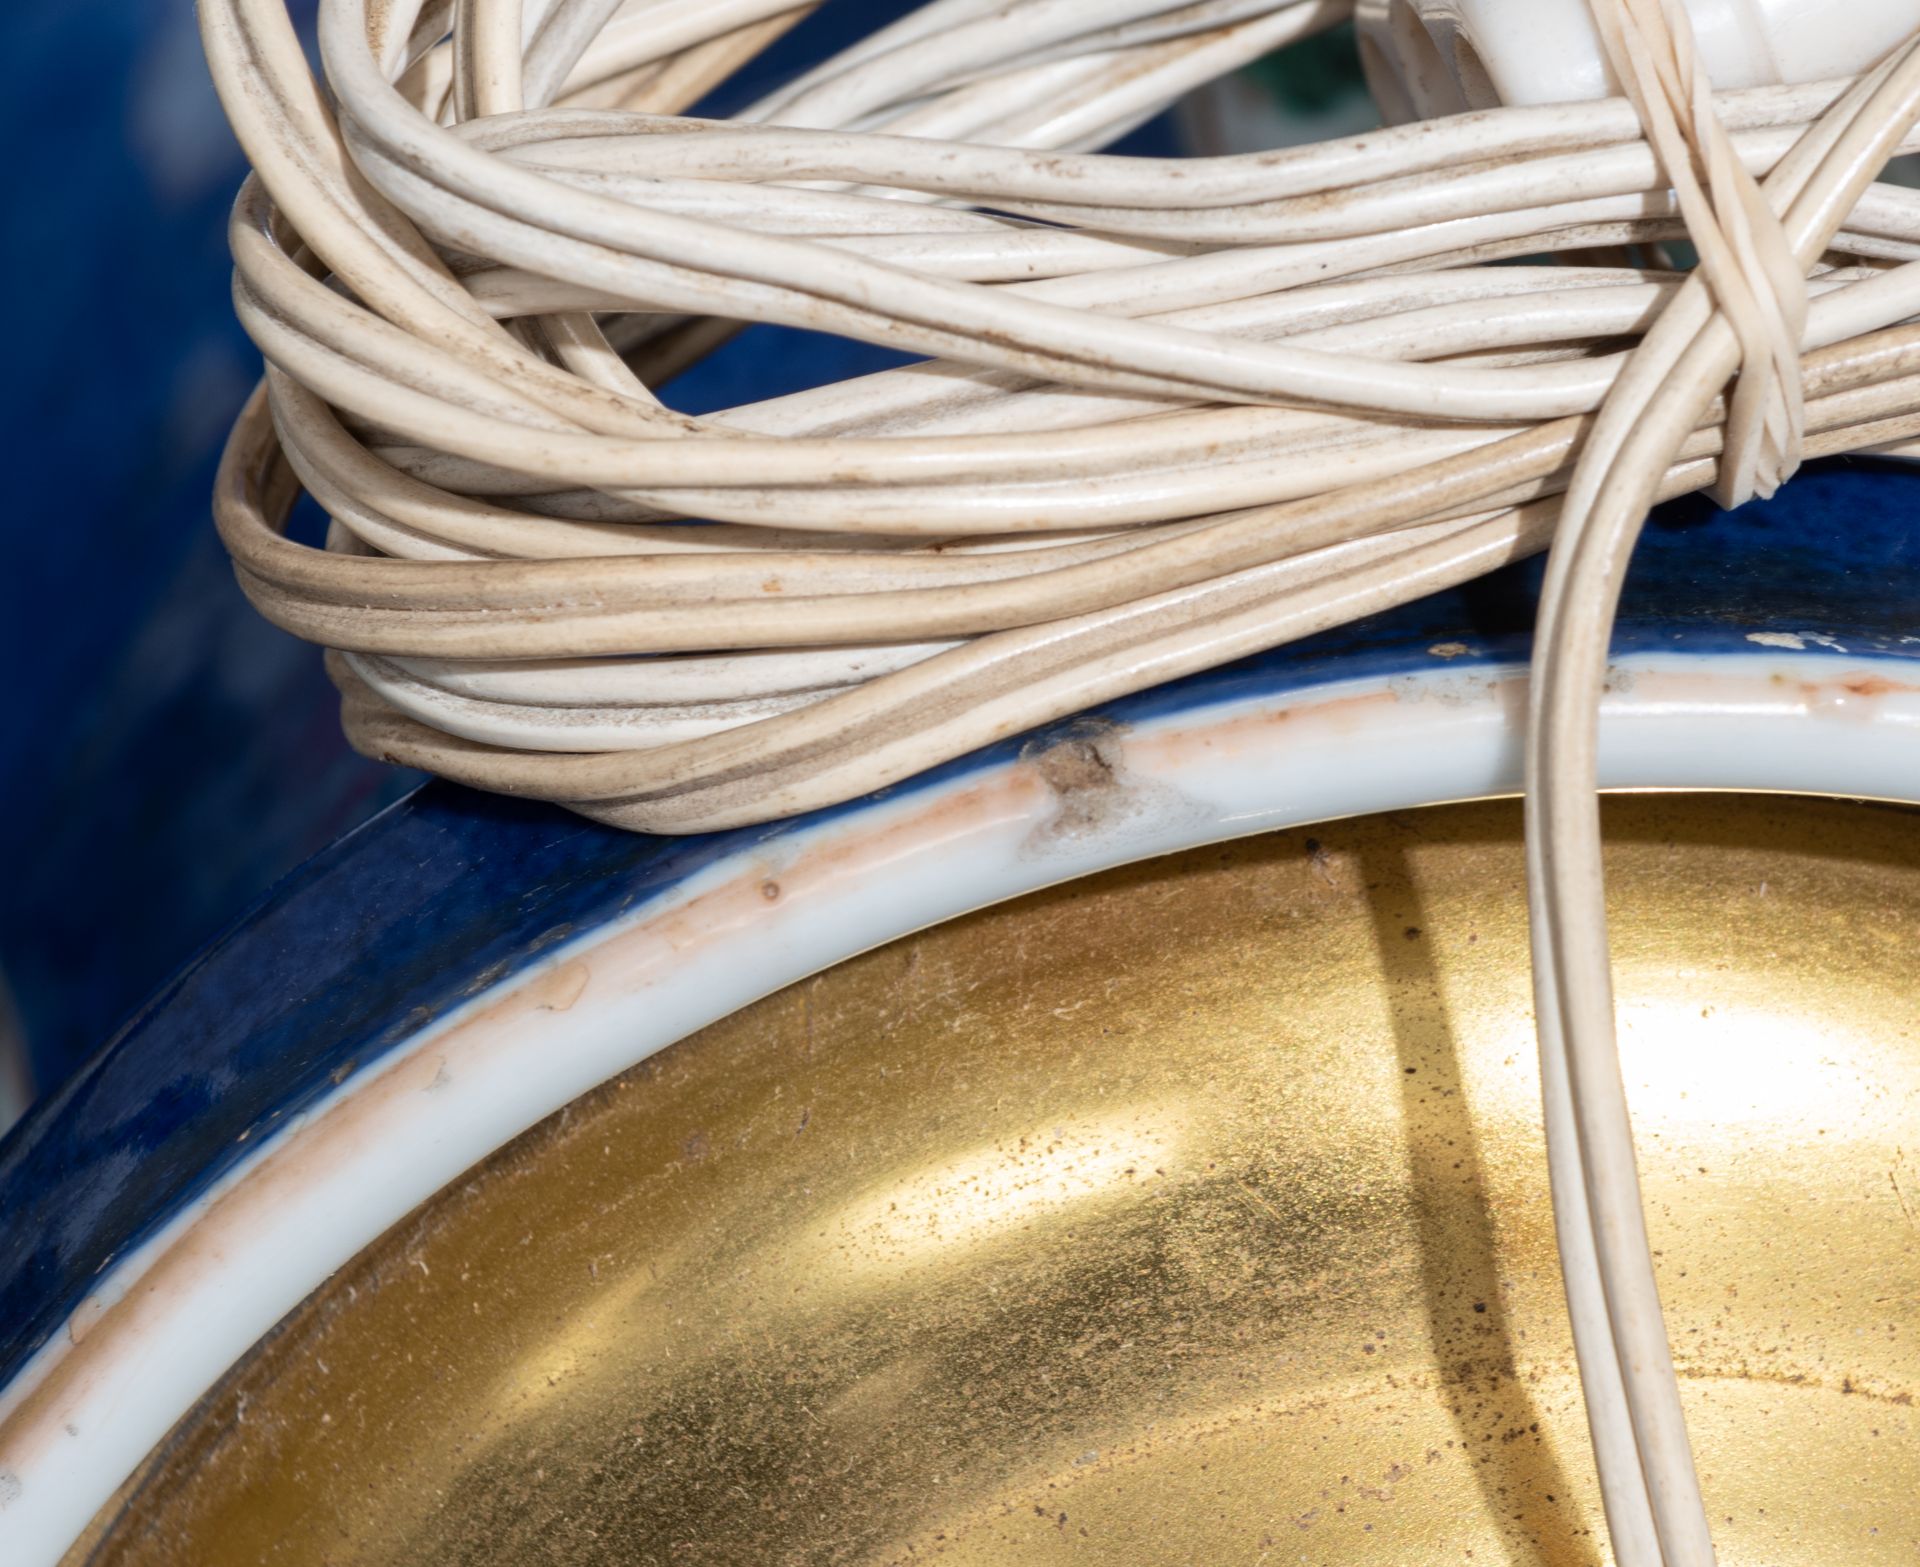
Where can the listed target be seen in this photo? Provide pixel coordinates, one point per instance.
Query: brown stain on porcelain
(559, 988)
(1876, 685)
(1837, 697)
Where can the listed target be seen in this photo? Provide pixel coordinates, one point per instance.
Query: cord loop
(1743, 250)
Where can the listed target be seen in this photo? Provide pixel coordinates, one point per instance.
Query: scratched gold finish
(1195, 1213)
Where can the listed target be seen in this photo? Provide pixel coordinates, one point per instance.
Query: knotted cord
(1725, 318)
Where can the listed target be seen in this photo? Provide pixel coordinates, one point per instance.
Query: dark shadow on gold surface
(1515, 1463)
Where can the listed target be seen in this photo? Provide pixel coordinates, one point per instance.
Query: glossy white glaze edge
(193, 1298)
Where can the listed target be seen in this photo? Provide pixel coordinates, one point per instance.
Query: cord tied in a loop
(1744, 253)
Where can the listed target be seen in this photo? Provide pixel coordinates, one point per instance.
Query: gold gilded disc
(1192, 1213)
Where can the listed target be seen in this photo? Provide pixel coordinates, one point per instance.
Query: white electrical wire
(1171, 412)
(1730, 315)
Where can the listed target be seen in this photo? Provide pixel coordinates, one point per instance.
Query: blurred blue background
(165, 755)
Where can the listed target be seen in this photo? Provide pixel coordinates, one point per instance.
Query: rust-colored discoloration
(1842, 696)
(1874, 685)
(559, 988)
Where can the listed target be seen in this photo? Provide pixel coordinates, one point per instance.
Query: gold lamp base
(1195, 1213)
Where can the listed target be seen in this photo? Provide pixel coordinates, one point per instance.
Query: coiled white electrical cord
(1173, 412)
(506, 494)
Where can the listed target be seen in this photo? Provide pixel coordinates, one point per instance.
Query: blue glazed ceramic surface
(165, 753)
(448, 892)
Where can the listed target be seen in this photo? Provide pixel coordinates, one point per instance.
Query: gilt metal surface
(1194, 1213)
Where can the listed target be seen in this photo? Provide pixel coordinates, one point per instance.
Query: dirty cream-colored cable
(1117, 435)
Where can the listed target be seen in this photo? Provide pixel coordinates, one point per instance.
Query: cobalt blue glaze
(152, 721)
(165, 754)
(449, 891)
